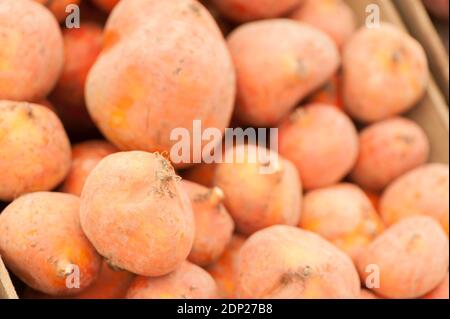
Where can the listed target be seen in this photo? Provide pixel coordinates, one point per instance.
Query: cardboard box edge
(7, 290)
(420, 25)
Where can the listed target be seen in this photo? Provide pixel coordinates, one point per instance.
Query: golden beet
(34, 149)
(136, 213)
(408, 260)
(81, 49)
(387, 150)
(42, 242)
(31, 52)
(260, 190)
(385, 73)
(85, 156)
(333, 17)
(248, 10)
(186, 282)
(287, 262)
(322, 142)
(144, 85)
(342, 214)
(106, 5)
(224, 270)
(213, 225)
(278, 63)
(422, 191)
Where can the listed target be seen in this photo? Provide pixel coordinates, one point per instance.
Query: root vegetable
(278, 63)
(333, 17)
(187, 282)
(136, 214)
(213, 225)
(165, 64)
(385, 73)
(411, 258)
(248, 10)
(257, 198)
(387, 150)
(31, 51)
(85, 156)
(224, 270)
(422, 191)
(34, 149)
(287, 262)
(322, 142)
(42, 242)
(342, 214)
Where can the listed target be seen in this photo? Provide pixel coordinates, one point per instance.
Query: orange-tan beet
(91, 13)
(385, 73)
(367, 294)
(202, 174)
(410, 258)
(81, 48)
(343, 215)
(374, 198)
(47, 104)
(31, 51)
(106, 5)
(440, 292)
(34, 149)
(287, 262)
(322, 142)
(422, 191)
(225, 25)
(248, 10)
(136, 214)
(85, 156)
(224, 270)
(186, 282)
(58, 7)
(41, 241)
(145, 85)
(333, 17)
(261, 188)
(387, 150)
(278, 63)
(213, 225)
(132, 15)
(330, 93)
(110, 284)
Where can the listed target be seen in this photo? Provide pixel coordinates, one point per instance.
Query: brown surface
(421, 27)
(6, 287)
(442, 28)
